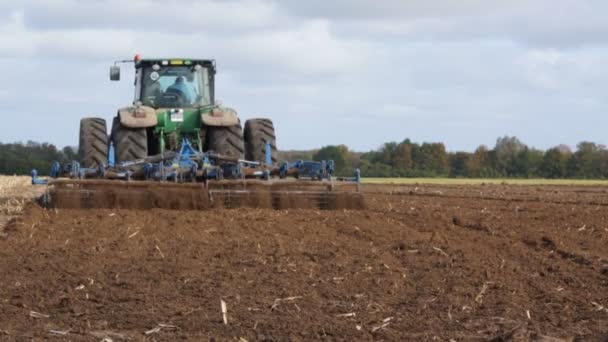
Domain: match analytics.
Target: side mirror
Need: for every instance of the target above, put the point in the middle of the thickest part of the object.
(114, 73)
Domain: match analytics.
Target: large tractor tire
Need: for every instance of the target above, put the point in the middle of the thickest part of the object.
(226, 141)
(93, 142)
(257, 133)
(129, 143)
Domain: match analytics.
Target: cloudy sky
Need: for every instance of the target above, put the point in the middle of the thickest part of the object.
(327, 72)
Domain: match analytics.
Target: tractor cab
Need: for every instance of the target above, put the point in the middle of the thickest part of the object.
(172, 83)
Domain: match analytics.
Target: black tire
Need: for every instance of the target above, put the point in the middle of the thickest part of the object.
(257, 133)
(129, 143)
(227, 141)
(93, 142)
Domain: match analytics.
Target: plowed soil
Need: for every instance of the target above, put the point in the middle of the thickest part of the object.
(462, 263)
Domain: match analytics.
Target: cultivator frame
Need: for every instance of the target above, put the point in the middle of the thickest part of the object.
(204, 180)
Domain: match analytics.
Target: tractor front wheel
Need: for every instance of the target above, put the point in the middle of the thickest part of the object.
(93, 142)
(129, 143)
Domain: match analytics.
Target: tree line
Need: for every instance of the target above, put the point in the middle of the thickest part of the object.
(20, 159)
(508, 158)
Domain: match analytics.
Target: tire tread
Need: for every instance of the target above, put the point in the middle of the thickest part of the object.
(93, 142)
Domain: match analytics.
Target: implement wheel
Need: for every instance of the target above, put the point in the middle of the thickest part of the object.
(93, 142)
(257, 133)
(227, 141)
(129, 143)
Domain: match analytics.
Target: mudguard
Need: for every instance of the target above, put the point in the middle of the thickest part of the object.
(138, 117)
(220, 116)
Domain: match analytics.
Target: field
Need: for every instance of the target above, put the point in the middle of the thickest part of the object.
(480, 181)
(436, 262)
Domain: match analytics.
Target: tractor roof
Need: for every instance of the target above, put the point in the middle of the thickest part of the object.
(210, 63)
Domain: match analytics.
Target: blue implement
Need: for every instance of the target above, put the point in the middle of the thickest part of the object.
(191, 165)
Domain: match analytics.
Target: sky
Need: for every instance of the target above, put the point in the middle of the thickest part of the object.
(354, 72)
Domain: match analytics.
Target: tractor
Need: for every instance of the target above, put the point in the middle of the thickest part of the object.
(174, 100)
(176, 132)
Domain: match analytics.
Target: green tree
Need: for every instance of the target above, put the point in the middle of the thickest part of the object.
(458, 164)
(337, 153)
(527, 163)
(479, 164)
(506, 154)
(20, 159)
(69, 154)
(402, 157)
(388, 151)
(555, 162)
(586, 162)
(432, 158)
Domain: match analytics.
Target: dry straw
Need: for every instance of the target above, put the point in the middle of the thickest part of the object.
(15, 192)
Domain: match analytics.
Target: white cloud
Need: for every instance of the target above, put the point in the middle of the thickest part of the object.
(558, 23)
(17, 40)
(355, 72)
(308, 48)
(177, 16)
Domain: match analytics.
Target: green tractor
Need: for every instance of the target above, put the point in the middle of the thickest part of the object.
(174, 100)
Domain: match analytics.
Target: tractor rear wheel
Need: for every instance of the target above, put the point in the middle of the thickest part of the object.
(227, 141)
(129, 143)
(93, 142)
(257, 133)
